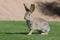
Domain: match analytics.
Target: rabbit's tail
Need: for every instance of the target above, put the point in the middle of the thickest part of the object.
(48, 29)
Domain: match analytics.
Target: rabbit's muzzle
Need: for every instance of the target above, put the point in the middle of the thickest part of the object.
(24, 18)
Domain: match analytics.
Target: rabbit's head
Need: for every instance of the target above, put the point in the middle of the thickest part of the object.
(29, 11)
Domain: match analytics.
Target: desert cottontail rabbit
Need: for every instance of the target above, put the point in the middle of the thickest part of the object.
(35, 23)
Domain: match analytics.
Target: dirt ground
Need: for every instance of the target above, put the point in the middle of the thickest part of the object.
(14, 10)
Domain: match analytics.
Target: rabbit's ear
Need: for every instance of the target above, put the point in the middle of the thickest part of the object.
(32, 7)
(26, 7)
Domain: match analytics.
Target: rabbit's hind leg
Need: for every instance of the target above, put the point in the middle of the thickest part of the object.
(44, 32)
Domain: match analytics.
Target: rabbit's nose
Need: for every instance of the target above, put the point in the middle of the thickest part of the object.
(24, 18)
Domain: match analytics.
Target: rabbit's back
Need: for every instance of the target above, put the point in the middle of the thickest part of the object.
(40, 24)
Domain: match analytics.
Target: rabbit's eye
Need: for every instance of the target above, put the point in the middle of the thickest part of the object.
(29, 14)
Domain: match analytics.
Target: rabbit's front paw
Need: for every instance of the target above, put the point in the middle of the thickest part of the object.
(28, 34)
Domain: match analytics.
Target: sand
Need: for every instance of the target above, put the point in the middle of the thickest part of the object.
(13, 10)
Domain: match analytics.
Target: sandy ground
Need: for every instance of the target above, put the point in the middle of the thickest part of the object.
(14, 10)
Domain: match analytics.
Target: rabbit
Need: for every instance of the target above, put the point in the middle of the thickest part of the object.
(35, 23)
